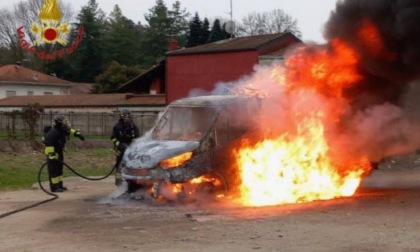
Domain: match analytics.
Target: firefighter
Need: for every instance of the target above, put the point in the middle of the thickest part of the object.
(55, 140)
(123, 134)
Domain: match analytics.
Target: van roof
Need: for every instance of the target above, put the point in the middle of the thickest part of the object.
(210, 100)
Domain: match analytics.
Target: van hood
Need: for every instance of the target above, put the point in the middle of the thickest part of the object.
(147, 153)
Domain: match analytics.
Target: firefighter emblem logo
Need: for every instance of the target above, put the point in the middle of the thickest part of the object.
(49, 29)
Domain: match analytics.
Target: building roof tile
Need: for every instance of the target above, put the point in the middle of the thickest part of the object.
(21, 75)
(84, 100)
(257, 42)
(81, 88)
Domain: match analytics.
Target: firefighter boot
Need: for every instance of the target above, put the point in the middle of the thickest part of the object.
(60, 185)
(55, 188)
(118, 178)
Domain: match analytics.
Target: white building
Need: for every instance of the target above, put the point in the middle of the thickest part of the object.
(16, 80)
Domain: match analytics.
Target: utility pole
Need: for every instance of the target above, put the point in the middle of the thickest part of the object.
(231, 24)
(231, 11)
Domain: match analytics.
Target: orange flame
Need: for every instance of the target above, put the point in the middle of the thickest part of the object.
(302, 163)
(188, 189)
(177, 188)
(176, 161)
(373, 42)
(206, 178)
(294, 169)
(326, 70)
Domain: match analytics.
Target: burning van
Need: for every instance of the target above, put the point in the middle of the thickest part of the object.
(188, 151)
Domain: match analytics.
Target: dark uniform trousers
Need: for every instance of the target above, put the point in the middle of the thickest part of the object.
(55, 172)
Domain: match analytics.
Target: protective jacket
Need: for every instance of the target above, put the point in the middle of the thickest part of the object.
(55, 142)
(56, 138)
(122, 135)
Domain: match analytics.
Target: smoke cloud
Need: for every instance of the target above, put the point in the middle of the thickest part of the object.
(385, 34)
(391, 58)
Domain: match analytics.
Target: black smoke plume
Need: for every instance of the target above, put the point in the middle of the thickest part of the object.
(387, 71)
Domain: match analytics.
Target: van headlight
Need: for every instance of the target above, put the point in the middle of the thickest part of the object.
(176, 161)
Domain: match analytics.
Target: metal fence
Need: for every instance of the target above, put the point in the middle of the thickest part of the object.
(90, 124)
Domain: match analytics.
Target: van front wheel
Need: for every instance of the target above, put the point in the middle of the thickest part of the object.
(132, 186)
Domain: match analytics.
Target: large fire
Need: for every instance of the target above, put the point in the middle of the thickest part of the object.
(295, 169)
(298, 163)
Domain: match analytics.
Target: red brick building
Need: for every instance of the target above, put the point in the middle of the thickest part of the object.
(203, 66)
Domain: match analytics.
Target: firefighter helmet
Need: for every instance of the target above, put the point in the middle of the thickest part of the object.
(60, 119)
(125, 113)
(62, 122)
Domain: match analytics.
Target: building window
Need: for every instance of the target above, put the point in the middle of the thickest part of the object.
(48, 93)
(10, 93)
(30, 93)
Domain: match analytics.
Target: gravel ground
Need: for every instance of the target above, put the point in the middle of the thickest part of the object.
(383, 216)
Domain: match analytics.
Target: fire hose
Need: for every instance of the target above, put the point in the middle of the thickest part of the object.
(55, 196)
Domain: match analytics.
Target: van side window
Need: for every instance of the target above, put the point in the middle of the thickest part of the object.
(184, 123)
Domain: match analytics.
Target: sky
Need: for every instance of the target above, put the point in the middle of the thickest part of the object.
(311, 15)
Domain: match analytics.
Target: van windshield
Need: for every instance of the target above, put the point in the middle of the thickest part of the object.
(184, 123)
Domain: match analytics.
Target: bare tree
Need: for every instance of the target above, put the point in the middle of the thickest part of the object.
(8, 36)
(252, 24)
(276, 21)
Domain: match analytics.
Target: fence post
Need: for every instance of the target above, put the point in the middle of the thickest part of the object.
(69, 118)
(142, 117)
(41, 123)
(88, 122)
(103, 122)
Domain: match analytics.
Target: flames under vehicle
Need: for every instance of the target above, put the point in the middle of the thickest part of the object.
(189, 148)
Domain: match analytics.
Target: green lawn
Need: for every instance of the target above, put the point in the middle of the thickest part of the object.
(20, 170)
